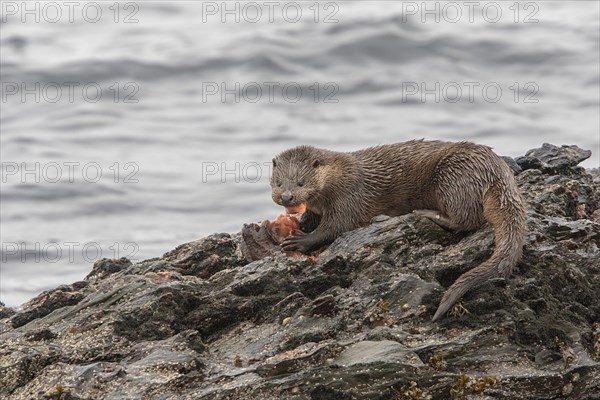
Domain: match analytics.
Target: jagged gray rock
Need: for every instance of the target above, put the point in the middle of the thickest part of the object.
(203, 323)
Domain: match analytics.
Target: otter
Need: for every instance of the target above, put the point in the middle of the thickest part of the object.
(459, 185)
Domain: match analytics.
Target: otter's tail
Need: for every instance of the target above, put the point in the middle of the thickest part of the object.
(503, 207)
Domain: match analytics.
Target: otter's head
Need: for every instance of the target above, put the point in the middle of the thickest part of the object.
(295, 178)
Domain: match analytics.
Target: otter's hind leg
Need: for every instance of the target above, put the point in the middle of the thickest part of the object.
(441, 219)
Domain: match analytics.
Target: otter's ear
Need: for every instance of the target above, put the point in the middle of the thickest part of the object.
(318, 162)
(274, 163)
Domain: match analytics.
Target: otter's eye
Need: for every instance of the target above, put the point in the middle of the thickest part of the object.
(278, 184)
(301, 183)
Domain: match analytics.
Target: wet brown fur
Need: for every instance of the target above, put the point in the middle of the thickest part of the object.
(459, 185)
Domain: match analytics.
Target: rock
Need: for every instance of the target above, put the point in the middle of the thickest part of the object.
(5, 312)
(528, 162)
(352, 323)
(45, 303)
(380, 352)
(106, 266)
(516, 168)
(552, 158)
(257, 243)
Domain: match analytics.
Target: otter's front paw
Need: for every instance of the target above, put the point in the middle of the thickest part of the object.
(309, 221)
(302, 243)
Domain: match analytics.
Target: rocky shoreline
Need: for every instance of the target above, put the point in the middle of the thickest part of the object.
(201, 322)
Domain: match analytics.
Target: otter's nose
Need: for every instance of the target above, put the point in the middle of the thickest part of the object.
(286, 197)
